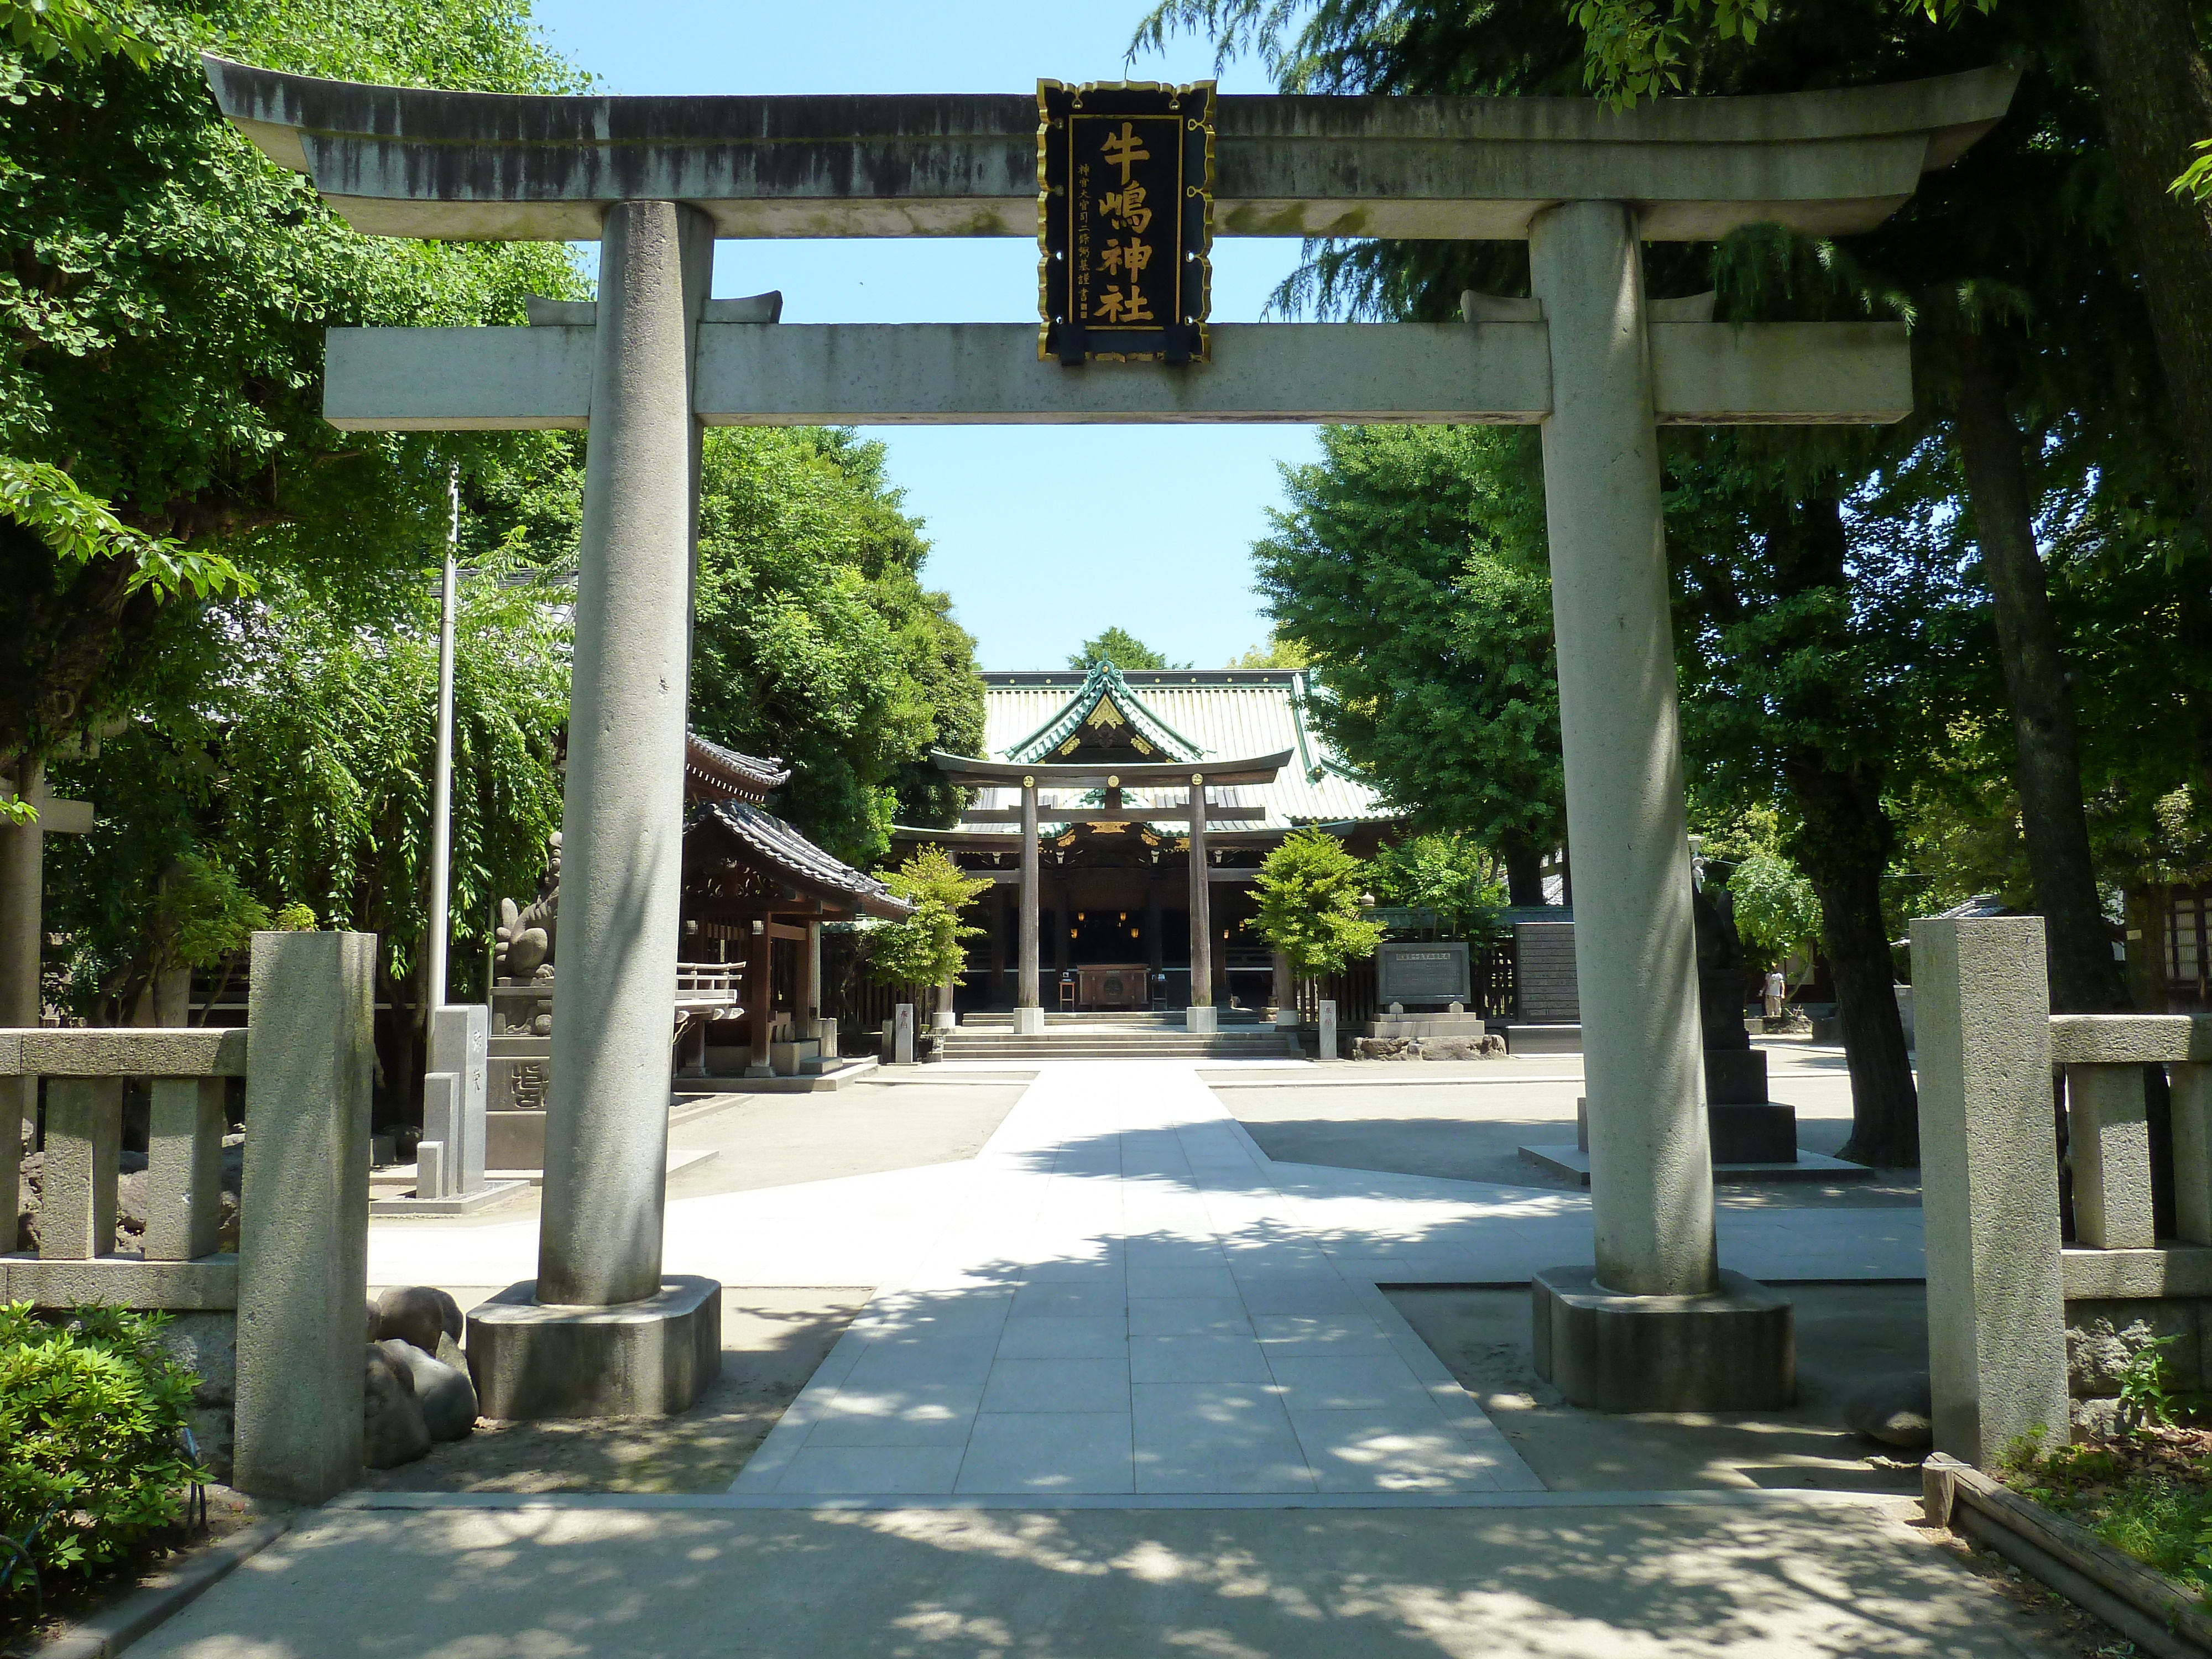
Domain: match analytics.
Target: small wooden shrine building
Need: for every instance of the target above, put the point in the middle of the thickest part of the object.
(1081, 814)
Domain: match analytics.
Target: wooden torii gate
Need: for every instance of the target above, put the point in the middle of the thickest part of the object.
(1587, 357)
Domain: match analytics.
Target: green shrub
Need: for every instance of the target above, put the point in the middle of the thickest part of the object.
(92, 1451)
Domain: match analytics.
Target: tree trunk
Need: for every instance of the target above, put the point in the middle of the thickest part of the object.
(1843, 844)
(1524, 871)
(2156, 93)
(1843, 850)
(2084, 978)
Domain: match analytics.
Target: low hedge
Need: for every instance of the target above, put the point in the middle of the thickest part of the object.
(93, 1458)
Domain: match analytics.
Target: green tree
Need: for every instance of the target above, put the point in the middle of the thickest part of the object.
(930, 947)
(814, 640)
(164, 307)
(1410, 563)
(1280, 651)
(298, 770)
(1121, 648)
(1307, 895)
(1448, 873)
(1777, 913)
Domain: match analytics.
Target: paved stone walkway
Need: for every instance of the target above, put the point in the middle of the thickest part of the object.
(1130, 1304)
(1122, 1297)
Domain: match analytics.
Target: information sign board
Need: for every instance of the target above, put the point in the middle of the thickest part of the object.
(1435, 972)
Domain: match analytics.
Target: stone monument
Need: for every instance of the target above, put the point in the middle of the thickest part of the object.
(1746, 1127)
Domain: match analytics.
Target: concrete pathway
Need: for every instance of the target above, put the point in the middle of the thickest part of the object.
(1130, 1298)
(1529, 1579)
(1128, 1304)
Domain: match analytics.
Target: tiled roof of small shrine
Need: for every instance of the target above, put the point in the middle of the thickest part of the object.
(712, 772)
(774, 847)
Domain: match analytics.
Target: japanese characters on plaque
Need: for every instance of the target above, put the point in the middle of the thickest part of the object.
(1125, 221)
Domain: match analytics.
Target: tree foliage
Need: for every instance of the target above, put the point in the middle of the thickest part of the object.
(164, 307)
(1123, 649)
(1777, 914)
(929, 947)
(304, 778)
(1307, 895)
(814, 640)
(1450, 874)
(1410, 564)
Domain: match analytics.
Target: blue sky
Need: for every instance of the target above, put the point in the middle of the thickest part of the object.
(1183, 582)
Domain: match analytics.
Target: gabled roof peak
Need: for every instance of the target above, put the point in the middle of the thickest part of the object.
(1105, 684)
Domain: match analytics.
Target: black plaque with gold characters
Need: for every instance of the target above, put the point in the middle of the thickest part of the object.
(1125, 221)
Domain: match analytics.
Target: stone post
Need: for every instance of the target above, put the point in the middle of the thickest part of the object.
(460, 1042)
(84, 1137)
(1326, 1019)
(303, 1214)
(1201, 1017)
(1651, 1180)
(902, 1034)
(1988, 1166)
(1029, 1011)
(810, 980)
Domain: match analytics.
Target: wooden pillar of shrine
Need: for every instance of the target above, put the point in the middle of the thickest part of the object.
(810, 980)
(1153, 957)
(1063, 918)
(1201, 908)
(760, 998)
(997, 923)
(1025, 968)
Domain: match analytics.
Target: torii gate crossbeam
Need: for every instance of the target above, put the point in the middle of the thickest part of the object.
(658, 179)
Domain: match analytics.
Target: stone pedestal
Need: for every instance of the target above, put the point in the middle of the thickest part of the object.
(1203, 1020)
(1744, 1126)
(1765, 1131)
(1029, 1022)
(648, 1358)
(1732, 1349)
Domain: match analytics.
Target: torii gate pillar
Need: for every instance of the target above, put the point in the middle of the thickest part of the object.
(549, 1349)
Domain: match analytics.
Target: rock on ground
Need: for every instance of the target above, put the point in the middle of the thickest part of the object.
(443, 1392)
(1486, 1047)
(393, 1429)
(1897, 1410)
(419, 1314)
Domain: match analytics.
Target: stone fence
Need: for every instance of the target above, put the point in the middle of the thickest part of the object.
(288, 1301)
(2019, 1323)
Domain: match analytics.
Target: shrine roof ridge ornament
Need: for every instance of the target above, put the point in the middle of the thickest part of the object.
(475, 166)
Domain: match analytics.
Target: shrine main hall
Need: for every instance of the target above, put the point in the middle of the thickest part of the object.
(1081, 813)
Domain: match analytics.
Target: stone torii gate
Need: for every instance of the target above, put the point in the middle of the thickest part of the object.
(1655, 1323)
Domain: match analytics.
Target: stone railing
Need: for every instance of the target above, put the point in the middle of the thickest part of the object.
(2002, 1289)
(84, 1072)
(299, 1277)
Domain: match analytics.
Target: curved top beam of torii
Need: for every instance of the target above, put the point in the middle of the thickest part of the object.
(480, 166)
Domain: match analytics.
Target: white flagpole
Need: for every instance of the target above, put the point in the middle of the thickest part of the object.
(442, 799)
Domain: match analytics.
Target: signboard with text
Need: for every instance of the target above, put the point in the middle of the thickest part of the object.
(1436, 973)
(1125, 221)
